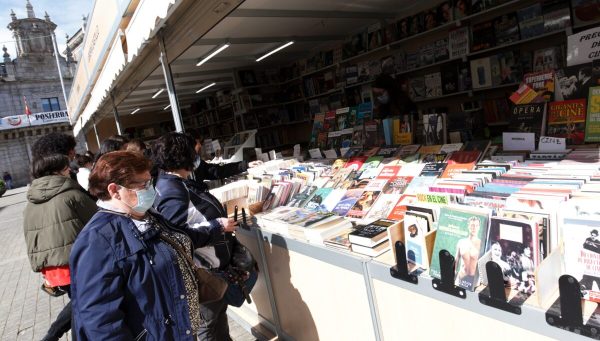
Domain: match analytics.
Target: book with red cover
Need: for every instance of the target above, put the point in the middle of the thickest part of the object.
(388, 172)
(456, 168)
(356, 162)
(464, 156)
(399, 209)
(566, 119)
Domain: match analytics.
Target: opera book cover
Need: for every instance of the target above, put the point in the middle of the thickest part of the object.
(528, 118)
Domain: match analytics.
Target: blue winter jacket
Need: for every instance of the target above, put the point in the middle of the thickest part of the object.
(125, 284)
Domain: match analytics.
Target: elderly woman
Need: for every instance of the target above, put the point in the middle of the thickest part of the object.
(131, 276)
(185, 201)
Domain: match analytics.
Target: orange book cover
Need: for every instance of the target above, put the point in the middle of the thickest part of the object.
(457, 168)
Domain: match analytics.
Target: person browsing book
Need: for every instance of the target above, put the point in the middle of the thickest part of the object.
(391, 99)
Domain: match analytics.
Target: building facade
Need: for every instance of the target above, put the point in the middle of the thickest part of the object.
(31, 79)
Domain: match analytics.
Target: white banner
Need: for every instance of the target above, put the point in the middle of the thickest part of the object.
(37, 119)
(13, 122)
(49, 117)
(583, 47)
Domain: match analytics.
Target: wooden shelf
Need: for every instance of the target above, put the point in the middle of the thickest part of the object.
(518, 42)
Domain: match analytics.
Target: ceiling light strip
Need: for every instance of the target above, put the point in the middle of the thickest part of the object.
(136, 110)
(276, 50)
(214, 53)
(158, 93)
(206, 87)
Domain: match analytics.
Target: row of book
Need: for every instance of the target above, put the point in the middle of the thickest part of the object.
(505, 212)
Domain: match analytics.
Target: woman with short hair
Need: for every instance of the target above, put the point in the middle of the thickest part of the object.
(132, 276)
(56, 212)
(184, 201)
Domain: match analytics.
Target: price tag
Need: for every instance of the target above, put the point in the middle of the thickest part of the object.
(518, 141)
(552, 144)
(330, 154)
(315, 153)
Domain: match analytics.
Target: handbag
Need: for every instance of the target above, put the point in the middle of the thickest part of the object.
(211, 288)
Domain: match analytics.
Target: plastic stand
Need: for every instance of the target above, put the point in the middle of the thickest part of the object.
(566, 313)
(400, 270)
(445, 284)
(494, 295)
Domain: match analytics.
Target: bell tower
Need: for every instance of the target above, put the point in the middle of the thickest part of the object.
(32, 35)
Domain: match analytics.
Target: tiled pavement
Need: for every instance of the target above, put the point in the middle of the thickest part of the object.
(25, 311)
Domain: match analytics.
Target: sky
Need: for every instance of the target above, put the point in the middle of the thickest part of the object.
(66, 14)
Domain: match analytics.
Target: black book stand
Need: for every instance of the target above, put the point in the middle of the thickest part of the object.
(446, 282)
(400, 270)
(494, 295)
(566, 313)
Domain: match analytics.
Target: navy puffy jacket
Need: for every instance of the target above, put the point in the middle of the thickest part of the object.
(126, 284)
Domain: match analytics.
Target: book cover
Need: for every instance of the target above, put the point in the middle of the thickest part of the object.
(457, 168)
(397, 184)
(403, 28)
(509, 67)
(315, 202)
(542, 222)
(331, 200)
(483, 36)
(441, 51)
(585, 12)
(430, 19)
(301, 198)
(582, 254)
(347, 201)
(427, 54)
(462, 8)
(388, 172)
(506, 29)
(374, 36)
(340, 240)
(592, 124)
(363, 204)
(513, 246)
(382, 206)
(463, 233)
(547, 59)
(444, 12)
(542, 83)
(415, 228)
(574, 81)
(464, 76)
(449, 78)
(374, 251)
(371, 234)
(566, 119)
(397, 213)
(434, 128)
(416, 88)
(433, 85)
(528, 118)
(433, 169)
(417, 23)
(355, 163)
(531, 22)
(481, 71)
(464, 157)
(557, 15)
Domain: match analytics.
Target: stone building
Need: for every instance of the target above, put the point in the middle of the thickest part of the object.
(32, 77)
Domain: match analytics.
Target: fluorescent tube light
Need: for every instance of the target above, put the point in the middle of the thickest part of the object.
(214, 53)
(158, 93)
(167, 107)
(136, 110)
(206, 87)
(276, 50)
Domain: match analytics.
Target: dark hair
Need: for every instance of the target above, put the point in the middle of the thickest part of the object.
(48, 165)
(112, 144)
(196, 134)
(116, 167)
(594, 232)
(174, 151)
(399, 99)
(82, 160)
(135, 145)
(53, 143)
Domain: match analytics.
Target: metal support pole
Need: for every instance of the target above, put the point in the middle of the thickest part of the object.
(116, 113)
(62, 83)
(170, 85)
(96, 133)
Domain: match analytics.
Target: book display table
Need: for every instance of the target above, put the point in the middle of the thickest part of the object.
(310, 292)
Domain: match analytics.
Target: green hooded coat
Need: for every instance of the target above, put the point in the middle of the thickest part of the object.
(57, 210)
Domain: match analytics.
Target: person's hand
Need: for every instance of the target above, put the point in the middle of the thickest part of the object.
(253, 164)
(228, 224)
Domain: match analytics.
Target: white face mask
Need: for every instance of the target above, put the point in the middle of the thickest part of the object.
(145, 198)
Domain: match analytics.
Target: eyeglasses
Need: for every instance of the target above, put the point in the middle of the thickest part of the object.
(138, 185)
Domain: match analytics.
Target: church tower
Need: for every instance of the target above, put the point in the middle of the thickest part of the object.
(33, 35)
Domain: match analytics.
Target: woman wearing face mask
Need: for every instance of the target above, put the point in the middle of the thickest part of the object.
(56, 211)
(185, 201)
(390, 99)
(130, 276)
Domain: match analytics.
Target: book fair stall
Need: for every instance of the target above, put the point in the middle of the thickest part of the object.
(424, 163)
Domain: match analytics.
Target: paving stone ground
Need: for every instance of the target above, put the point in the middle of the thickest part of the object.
(25, 311)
